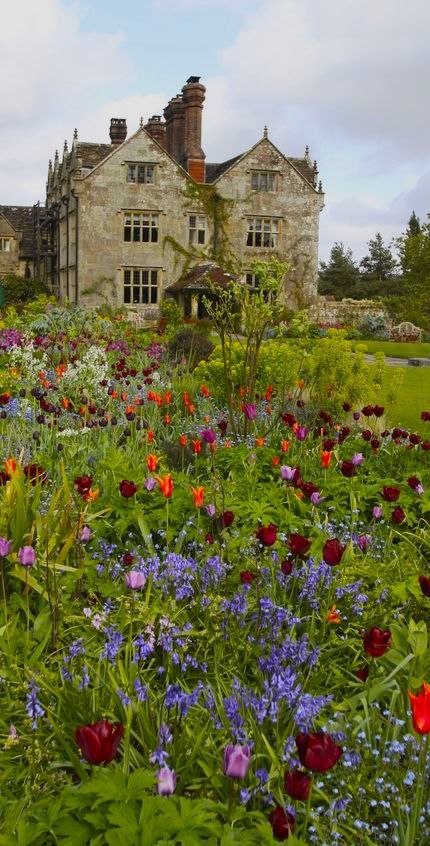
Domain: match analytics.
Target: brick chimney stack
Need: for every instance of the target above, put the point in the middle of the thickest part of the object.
(174, 114)
(157, 129)
(193, 97)
(118, 130)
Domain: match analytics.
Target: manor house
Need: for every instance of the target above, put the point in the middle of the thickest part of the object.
(146, 216)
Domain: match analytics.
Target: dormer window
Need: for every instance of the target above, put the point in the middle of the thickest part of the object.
(141, 174)
(263, 180)
(5, 245)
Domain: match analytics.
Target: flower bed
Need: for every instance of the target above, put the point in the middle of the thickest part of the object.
(206, 638)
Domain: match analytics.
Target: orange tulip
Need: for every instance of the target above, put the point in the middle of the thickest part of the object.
(421, 709)
(268, 409)
(65, 402)
(285, 445)
(183, 440)
(152, 462)
(260, 442)
(198, 494)
(301, 383)
(150, 436)
(325, 458)
(167, 397)
(130, 409)
(333, 615)
(204, 391)
(197, 447)
(275, 461)
(227, 443)
(123, 396)
(167, 419)
(213, 446)
(10, 466)
(191, 408)
(91, 495)
(186, 398)
(166, 485)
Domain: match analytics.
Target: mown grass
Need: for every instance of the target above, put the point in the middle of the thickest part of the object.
(412, 398)
(397, 349)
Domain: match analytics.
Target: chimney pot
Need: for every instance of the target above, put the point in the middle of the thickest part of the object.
(118, 130)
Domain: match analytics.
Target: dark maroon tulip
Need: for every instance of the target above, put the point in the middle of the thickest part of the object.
(328, 444)
(317, 751)
(425, 445)
(415, 439)
(99, 741)
(347, 468)
(267, 534)
(366, 435)
(368, 410)
(226, 519)
(390, 494)
(209, 538)
(222, 426)
(425, 415)
(4, 477)
(127, 488)
(398, 515)
(374, 443)
(282, 822)
(396, 433)
(425, 584)
(289, 419)
(35, 473)
(344, 432)
(299, 545)
(413, 482)
(376, 642)
(347, 406)
(333, 551)
(127, 559)
(378, 410)
(82, 484)
(287, 567)
(246, 577)
(362, 674)
(297, 784)
(308, 488)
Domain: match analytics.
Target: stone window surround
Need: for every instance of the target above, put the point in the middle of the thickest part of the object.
(145, 230)
(142, 170)
(5, 245)
(262, 233)
(265, 181)
(197, 228)
(141, 285)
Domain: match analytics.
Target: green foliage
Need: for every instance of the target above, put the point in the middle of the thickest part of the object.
(21, 290)
(171, 311)
(414, 251)
(189, 348)
(339, 276)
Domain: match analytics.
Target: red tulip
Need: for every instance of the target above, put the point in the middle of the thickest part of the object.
(378, 410)
(425, 584)
(362, 674)
(333, 551)
(127, 489)
(297, 784)
(287, 567)
(226, 519)
(317, 751)
(267, 534)
(390, 494)
(398, 515)
(99, 741)
(368, 410)
(376, 642)
(299, 545)
(246, 577)
(282, 822)
(128, 559)
(421, 709)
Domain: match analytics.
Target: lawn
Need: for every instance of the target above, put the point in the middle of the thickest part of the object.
(413, 397)
(399, 350)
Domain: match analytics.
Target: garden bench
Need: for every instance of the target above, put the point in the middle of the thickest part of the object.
(406, 331)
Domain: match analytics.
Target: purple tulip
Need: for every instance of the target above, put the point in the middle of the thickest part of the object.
(85, 534)
(5, 547)
(208, 436)
(250, 410)
(135, 580)
(356, 415)
(236, 761)
(316, 498)
(210, 510)
(301, 433)
(288, 473)
(364, 541)
(377, 512)
(357, 459)
(166, 781)
(150, 483)
(27, 556)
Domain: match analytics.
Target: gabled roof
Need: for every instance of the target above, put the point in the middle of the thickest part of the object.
(201, 276)
(302, 166)
(22, 220)
(92, 154)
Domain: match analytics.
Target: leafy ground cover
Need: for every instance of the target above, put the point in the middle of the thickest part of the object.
(214, 620)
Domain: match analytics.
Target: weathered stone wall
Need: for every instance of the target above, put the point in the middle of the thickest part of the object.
(9, 260)
(296, 205)
(346, 312)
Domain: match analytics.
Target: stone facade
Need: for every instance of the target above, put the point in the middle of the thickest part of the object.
(128, 218)
(345, 312)
(17, 240)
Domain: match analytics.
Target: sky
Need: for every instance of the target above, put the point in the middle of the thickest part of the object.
(349, 78)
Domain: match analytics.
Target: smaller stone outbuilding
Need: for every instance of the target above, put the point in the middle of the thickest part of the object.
(17, 240)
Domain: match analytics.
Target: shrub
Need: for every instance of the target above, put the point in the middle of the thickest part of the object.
(189, 347)
(21, 290)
